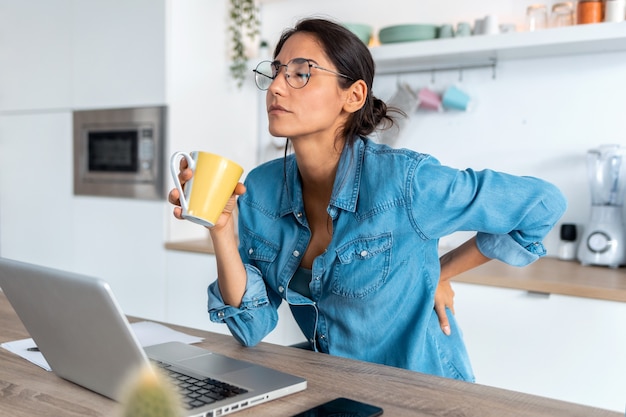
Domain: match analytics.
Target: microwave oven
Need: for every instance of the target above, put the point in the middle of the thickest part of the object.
(119, 152)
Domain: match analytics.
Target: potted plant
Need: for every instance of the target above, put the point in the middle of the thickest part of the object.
(244, 23)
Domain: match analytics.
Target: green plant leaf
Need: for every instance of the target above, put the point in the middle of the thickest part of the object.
(244, 21)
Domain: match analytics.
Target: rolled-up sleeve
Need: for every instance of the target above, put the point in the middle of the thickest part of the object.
(257, 315)
(511, 214)
(505, 249)
(523, 245)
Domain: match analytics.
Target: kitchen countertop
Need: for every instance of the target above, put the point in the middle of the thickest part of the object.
(547, 275)
(195, 246)
(553, 276)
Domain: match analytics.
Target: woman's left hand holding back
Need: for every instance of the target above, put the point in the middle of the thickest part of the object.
(453, 263)
(444, 298)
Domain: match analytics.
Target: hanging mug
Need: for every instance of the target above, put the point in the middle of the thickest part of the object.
(456, 99)
(428, 99)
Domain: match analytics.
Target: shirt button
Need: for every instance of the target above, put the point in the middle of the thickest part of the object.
(220, 314)
(250, 251)
(364, 253)
(281, 289)
(299, 214)
(316, 278)
(296, 253)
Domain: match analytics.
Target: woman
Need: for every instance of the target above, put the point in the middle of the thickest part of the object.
(346, 230)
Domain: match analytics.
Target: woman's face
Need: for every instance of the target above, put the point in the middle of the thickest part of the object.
(314, 111)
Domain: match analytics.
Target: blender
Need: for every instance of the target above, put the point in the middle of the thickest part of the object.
(604, 239)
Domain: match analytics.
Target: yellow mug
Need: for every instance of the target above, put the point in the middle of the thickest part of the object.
(206, 194)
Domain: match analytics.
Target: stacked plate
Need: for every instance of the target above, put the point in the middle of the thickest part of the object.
(407, 33)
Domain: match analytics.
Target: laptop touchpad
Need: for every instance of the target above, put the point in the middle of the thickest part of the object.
(214, 364)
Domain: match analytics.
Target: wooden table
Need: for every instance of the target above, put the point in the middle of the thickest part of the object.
(27, 390)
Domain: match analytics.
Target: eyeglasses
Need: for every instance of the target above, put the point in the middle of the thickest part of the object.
(297, 72)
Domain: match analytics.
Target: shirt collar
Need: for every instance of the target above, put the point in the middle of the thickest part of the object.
(348, 177)
(347, 181)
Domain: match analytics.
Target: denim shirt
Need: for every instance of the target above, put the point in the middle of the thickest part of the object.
(372, 290)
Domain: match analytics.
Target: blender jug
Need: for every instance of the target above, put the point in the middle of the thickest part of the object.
(604, 239)
(606, 175)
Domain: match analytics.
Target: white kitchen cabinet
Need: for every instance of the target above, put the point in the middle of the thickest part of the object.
(189, 275)
(118, 53)
(42, 222)
(65, 54)
(120, 240)
(35, 51)
(36, 188)
(555, 346)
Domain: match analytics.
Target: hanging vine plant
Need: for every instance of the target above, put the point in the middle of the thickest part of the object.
(244, 22)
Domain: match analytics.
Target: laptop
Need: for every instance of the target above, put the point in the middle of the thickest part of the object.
(85, 337)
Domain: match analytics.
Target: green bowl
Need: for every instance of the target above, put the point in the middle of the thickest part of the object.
(362, 31)
(407, 33)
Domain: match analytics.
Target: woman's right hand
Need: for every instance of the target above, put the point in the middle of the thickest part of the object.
(228, 210)
(185, 175)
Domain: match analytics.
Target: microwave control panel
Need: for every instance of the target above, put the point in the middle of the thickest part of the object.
(146, 149)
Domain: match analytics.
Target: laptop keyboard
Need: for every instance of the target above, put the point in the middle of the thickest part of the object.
(198, 392)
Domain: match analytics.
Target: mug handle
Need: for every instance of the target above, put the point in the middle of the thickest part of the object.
(174, 168)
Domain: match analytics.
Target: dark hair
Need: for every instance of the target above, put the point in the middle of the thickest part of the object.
(352, 58)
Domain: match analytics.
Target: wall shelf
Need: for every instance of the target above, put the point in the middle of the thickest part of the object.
(487, 50)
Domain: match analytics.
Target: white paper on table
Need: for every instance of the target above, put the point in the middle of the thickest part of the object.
(148, 333)
(20, 347)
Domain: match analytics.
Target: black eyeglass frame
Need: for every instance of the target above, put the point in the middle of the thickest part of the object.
(276, 65)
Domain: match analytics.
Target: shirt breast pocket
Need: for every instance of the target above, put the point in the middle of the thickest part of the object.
(259, 251)
(362, 266)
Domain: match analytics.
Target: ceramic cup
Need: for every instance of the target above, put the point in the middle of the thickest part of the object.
(479, 27)
(614, 10)
(446, 31)
(463, 29)
(456, 99)
(491, 26)
(428, 99)
(206, 194)
(507, 28)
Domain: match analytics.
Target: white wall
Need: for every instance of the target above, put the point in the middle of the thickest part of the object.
(207, 110)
